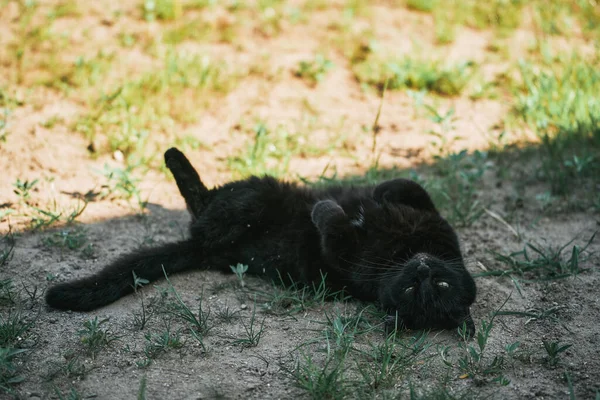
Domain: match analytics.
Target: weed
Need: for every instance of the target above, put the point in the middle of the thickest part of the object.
(502, 15)
(269, 154)
(314, 71)
(535, 314)
(13, 326)
(8, 370)
(422, 5)
(67, 8)
(122, 184)
(142, 389)
(414, 74)
(287, 297)
(456, 190)
(7, 294)
(553, 349)
(544, 264)
(94, 336)
(227, 314)
(72, 394)
(240, 270)
(342, 330)
(158, 343)
(72, 367)
(321, 382)
(559, 102)
(572, 396)
(23, 189)
(474, 363)
(389, 360)
(71, 239)
(253, 331)
(154, 102)
(8, 246)
(140, 320)
(198, 323)
(161, 9)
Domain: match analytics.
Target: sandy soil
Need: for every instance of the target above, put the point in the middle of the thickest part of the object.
(59, 158)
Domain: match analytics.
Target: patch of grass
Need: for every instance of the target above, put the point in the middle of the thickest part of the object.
(534, 314)
(342, 330)
(71, 394)
(7, 294)
(83, 73)
(6, 251)
(474, 361)
(501, 15)
(253, 330)
(226, 314)
(34, 53)
(71, 238)
(272, 149)
(72, 367)
(195, 30)
(327, 381)
(161, 9)
(559, 102)
(198, 323)
(240, 271)
(386, 362)
(171, 93)
(422, 5)
(287, 297)
(417, 74)
(314, 71)
(65, 8)
(158, 343)
(8, 371)
(94, 336)
(23, 189)
(536, 263)
(48, 214)
(456, 185)
(553, 350)
(142, 389)
(13, 326)
(121, 183)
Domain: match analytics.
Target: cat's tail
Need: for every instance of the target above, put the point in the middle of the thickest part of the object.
(117, 279)
(188, 181)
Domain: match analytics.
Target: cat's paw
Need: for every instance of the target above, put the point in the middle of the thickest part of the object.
(324, 211)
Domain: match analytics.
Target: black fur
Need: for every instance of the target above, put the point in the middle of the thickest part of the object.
(384, 243)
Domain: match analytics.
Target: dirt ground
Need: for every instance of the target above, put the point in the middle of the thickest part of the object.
(57, 364)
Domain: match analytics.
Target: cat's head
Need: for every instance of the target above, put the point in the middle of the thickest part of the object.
(427, 292)
(395, 245)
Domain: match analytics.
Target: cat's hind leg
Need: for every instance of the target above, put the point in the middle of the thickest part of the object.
(188, 181)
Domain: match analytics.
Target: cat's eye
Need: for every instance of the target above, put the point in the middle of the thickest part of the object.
(443, 285)
(409, 290)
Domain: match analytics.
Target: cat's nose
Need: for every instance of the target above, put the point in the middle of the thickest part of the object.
(423, 271)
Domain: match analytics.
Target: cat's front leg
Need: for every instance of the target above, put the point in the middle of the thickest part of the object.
(337, 233)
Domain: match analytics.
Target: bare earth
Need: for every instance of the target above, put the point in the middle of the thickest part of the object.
(59, 157)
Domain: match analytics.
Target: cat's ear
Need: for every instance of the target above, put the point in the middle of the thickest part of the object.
(403, 191)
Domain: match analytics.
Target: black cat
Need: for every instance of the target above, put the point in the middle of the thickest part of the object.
(384, 243)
